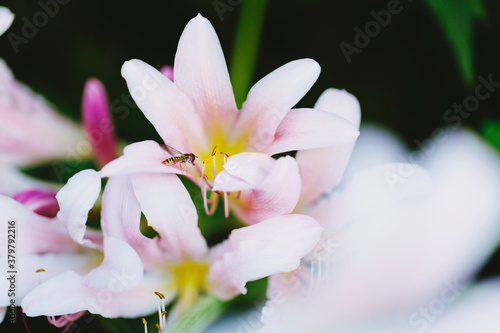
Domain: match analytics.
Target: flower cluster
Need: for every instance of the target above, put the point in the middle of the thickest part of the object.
(303, 216)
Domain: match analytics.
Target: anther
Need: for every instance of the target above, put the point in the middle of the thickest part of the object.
(145, 325)
(40, 270)
(160, 295)
(214, 151)
(224, 153)
(158, 327)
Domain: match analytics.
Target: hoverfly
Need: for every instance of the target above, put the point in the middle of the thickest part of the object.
(178, 157)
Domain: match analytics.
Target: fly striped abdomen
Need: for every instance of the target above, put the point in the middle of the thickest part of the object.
(173, 160)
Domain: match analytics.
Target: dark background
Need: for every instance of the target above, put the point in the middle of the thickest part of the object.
(405, 79)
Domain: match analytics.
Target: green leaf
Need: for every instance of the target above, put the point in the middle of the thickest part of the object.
(198, 317)
(246, 46)
(491, 132)
(457, 20)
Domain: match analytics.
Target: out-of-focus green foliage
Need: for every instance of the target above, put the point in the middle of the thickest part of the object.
(457, 20)
(491, 132)
(198, 317)
(246, 46)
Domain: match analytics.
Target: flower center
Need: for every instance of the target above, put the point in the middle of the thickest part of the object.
(190, 280)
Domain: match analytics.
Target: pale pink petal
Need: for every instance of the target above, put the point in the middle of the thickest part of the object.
(3, 311)
(31, 227)
(165, 106)
(121, 269)
(144, 156)
(200, 71)
(464, 212)
(372, 191)
(67, 293)
(168, 71)
(250, 253)
(53, 264)
(76, 199)
(321, 169)
(475, 311)
(6, 18)
(30, 130)
(310, 128)
(270, 187)
(120, 218)
(272, 97)
(42, 202)
(98, 122)
(340, 103)
(244, 171)
(13, 181)
(375, 146)
(170, 211)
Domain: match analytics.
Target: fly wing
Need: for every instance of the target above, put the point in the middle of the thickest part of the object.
(171, 150)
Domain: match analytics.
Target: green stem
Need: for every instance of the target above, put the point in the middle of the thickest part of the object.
(198, 317)
(246, 46)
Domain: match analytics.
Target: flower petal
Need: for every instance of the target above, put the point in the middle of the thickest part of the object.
(250, 253)
(310, 128)
(98, 122)
(272, 186)
(120, 218)
(341, 103)
(200, 71)
(321, 169)
(13, 181)
(67, 294)
(32, 227)
(6, 18)
(165, 106)
(476, 311)
(374, 146)
(144, 156)
(53, 264)
(121, 269)
(42, 202)
(467, 173)
(272, 97)
(76, 199)
(31, 130)
(170, 211)
(371, 192)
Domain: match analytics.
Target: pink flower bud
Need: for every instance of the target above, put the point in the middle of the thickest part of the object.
(98, 123)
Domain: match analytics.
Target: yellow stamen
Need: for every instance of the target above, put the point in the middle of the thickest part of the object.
(224, 153)
(214, 151)
(144, 321)
(160, 295)
(40, 270)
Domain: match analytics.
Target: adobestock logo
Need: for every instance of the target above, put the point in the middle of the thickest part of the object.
(372, 29)
(40, 19)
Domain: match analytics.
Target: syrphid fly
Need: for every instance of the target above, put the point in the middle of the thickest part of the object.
(178, 157)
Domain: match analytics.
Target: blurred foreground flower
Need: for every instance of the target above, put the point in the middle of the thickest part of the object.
(398, 251)
(196, 114)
